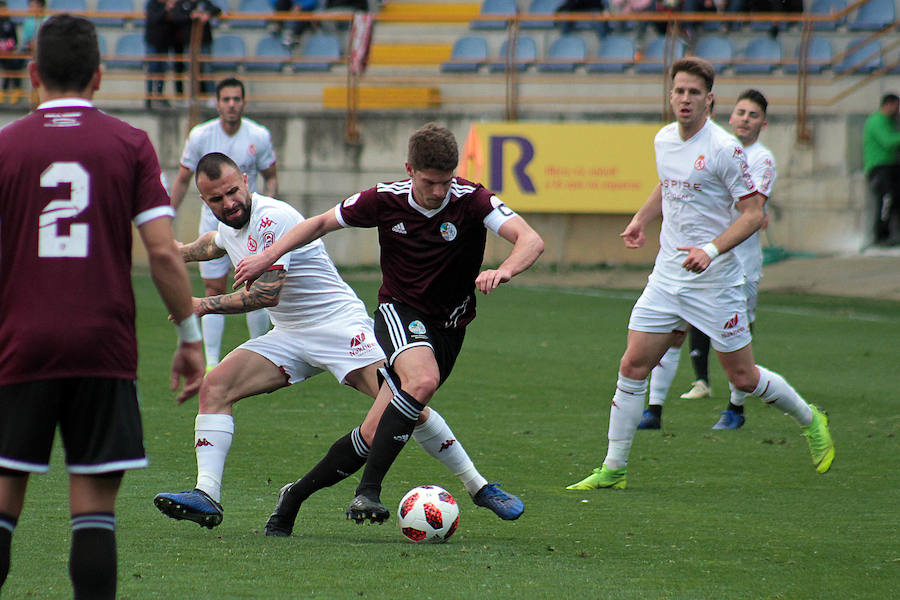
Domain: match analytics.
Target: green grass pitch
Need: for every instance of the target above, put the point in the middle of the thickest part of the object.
(707, 514)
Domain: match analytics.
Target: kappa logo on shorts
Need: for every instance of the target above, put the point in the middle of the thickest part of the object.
(203, 442)
(731, 323)
(417, 328)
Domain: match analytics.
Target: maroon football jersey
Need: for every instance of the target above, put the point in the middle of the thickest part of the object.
(72, 181)
(429, 259)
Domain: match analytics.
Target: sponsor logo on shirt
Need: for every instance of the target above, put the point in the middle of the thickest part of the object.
(399, 228)
(70, 119)
(700, 163)
(265, 222)
(683, 185)
(251, 244)
(448, 231)
(268, 239)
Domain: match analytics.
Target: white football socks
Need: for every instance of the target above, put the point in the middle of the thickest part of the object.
(436, 438)
(257, 322)
(775, 390)
(663, 374)
(212, 440)
(624, 416)
(213, 328)
(737, 396)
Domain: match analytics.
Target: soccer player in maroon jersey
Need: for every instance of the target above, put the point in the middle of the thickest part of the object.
(72, 182)
(432, 230)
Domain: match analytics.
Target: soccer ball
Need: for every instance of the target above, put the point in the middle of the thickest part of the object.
(429, 514)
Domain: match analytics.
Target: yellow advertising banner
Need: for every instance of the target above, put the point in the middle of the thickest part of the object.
(563, 167)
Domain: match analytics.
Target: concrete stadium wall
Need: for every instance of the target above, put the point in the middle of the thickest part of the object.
(818, 204)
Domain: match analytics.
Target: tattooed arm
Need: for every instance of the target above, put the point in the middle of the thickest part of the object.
(264, 293)
(203, 248)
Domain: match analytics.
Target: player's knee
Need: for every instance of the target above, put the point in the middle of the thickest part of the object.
(745, 381)
(633, 369)
(214, 394)
(422, 385)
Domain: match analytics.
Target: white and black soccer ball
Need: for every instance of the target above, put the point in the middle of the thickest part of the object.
(428, 514)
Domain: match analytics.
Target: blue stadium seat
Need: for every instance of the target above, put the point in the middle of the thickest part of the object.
(565, 53)
(821, 55)
(270, 47)
(323, 46)
(765, 53)
(17, 5)
(113, 6)
(526, 54)
(824, 7)
(469, 53)
(102, 46)
(617, 52)
(716, 49)
(494, 7)
(862, 58)
(228, 51)
(654, 54)
(873, 15)
(129, 52)
(70, 6)
(541, 7)
(251, 7)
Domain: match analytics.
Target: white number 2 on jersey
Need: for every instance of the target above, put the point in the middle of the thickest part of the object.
(52, 244)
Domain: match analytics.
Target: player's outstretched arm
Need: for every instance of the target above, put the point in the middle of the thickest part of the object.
(203, 248)
(171, 280)
(633, 235)
(527, 247)
(299, 235)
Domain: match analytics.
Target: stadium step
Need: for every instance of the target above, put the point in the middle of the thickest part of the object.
(384, 97)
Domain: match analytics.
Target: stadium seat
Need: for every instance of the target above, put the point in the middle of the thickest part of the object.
(323, 46)
(617, 53)
(821, 55)
(495, 7)
(862, 58)
(654, 55)
(113, 6)
(469, 53)
(17, 5)
(824, 7)
(228, 52)
(565, 53)
(251, 7)
(763, 54)
(270, 47)
(540, 7)
(526, 54)
(873, 15)
(102, 46)
(130, 52)
(69, 6)
(716, 49)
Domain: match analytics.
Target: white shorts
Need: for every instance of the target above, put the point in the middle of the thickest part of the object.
(336, 346)
(751, 290)
(720, 313)
(217, 267)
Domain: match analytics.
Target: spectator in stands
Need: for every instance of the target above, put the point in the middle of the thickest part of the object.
(635, 6)
(9, 43)
(592, 6)
(774, 6)
(168, 29)
(32, 23)
(205, 11)
(881, 143)
(292, 30)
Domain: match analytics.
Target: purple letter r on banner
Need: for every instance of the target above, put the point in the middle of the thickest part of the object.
(527, 153)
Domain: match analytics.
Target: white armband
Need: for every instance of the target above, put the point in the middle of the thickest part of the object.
(711, 251)
(189, 330)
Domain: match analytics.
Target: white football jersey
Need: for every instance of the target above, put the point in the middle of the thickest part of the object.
(313, 292)
(250, 147)
(762, 168)
(701, 179)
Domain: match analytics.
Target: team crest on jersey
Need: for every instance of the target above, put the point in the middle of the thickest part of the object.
(448, 231)
(417, 328)
(738, 152)
(700, 163)
(268, 239)
(252, 150)
(251, 244)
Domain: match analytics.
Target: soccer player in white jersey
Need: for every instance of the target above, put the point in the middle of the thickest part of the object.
(320, 324)
(432, 229)
(696, 280)
(249, 144)
(747, 120)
